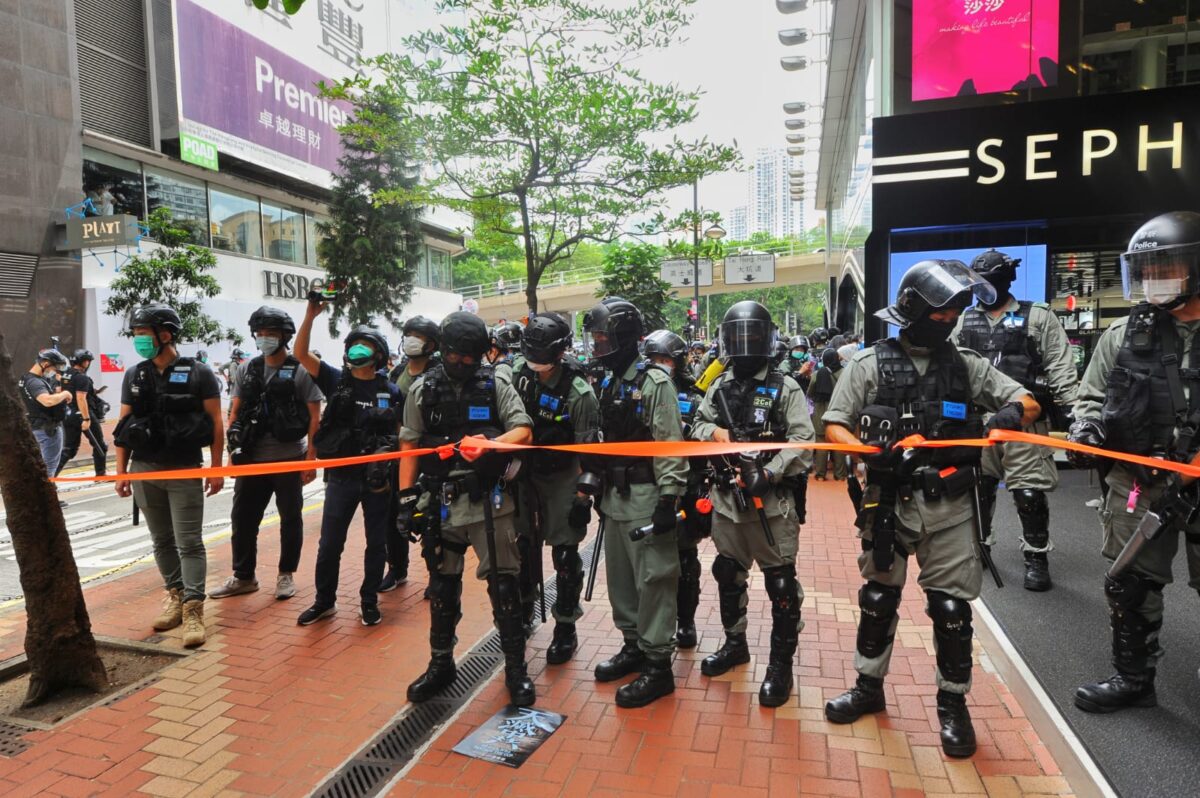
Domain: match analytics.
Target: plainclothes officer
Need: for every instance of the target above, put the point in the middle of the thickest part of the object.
(86, 415)
(1026, 341)
(361, 417)
(456, 399)
(502, 340)
(170, 410)
(920, 383)
(752, 402)
(46, 404)
(637, 403)
(564, 410)
(1140, 395)
(666, 350)
(418, 345)
(273, 417)
(824, 380)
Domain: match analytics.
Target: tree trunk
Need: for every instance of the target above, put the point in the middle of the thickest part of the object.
(532, 274)
(58, 633)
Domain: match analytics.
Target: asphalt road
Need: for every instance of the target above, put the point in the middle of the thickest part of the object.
(1064, 637)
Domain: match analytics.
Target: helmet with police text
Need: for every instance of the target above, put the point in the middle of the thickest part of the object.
(1162, 263)
(933, 285)
(506, 336)
(156, 316)
(615, 325)
(81, 355)
(270, 318)
(664, 343)
(424, 326)
(747, 331)
(54, 358)
(464, 334)
(371, 335)
(545, 338)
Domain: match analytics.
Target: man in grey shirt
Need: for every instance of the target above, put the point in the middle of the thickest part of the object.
(275, 410)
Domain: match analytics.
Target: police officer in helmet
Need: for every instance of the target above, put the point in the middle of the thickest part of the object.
(559, 399)
(463, 499)
(502, 340)
(362, 416)
(637, 403)
(1139, 396)
(667, 351)
(46, 404)
(273, 417)
(755, 497)
(920, 383)
(1027, 342)
(170, 410)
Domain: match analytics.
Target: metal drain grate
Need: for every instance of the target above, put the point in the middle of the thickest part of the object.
(12, 739)
(398, 743)
(356, 780)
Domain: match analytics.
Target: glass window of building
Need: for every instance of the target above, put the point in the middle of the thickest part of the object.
(235, 222)
(113, 184)
(439, 269)
(184, 197)
(313, 235)
(283, 232)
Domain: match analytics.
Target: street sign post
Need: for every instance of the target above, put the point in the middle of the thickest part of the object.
(680, 273)
(749, 269)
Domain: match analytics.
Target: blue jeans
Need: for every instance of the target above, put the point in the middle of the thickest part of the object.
(343, 494)
(50, 441)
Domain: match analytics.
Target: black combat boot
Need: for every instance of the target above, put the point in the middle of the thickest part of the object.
(1119, 691)
(865, 697)
(568, 576)
(731, 593)
(655, 682)
(1034, 512)
(506, 613)
(1037, 572)
(1135, 650)
(784, 592)
(688, 597)
(563, 646)
(444, 612)
(629, 659)
(958, 735)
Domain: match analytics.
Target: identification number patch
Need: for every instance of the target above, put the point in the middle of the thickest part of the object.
(479, 413)
(955, 410)
(178, 376)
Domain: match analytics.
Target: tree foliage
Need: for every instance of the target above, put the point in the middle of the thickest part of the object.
(175, 273)
(538, 125)
(631, 271)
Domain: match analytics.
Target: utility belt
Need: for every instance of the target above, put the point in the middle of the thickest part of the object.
(43, 423)
(447, 489)
(937, 483)
(620, 477)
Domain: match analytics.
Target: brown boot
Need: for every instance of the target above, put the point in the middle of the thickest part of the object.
(193, 623)
(172, 611)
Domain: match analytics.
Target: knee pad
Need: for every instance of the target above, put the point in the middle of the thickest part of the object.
(948, 612)
(1031, 501)
(725, 570)
(779, 581)
(952, 630)
(877, 603)
(1128, 591)
(445, 591)
(566, 559)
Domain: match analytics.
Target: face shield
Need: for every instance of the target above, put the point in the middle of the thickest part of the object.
(1163, 276)
(747, 338)
(937, 284)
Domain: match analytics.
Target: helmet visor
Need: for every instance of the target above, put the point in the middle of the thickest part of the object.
(747, 338)
(1161, 276)
(939, 285)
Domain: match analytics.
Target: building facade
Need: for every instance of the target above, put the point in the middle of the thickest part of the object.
(770, 208)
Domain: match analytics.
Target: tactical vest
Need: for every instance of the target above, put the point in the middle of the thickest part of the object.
(347, 430)
(1007, 347)
(548, 407)
(937, 405)
(450, 415)
(755, 405)
(40, 415)
(1145, 409)
(622, 418)
(166, 419)
(275, 405)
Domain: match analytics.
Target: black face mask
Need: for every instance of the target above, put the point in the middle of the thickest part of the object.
(619, 360)
(460, 372)
(744, 367)
(1002, 289)
(928, 333)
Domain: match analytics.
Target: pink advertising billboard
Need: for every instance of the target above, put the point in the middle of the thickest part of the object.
(969, 47)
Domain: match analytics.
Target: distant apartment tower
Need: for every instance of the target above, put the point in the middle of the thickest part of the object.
(739, 229)
(771, 209)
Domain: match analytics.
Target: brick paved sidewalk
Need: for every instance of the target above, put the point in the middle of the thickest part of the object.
(270, 708)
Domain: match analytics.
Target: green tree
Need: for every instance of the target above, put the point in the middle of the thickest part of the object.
(538, 125)
(370, 251)
(175, 273)
(631, 271)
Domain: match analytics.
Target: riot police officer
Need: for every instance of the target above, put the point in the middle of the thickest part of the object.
(921, 383)
(463, 499)
(86, 415)
(823, 382)
(1026, 341)
(799, 363)
(755, 496)
(273, 417)
(170, 410)
(46, 404)
(667, 351)
(361, 417)
(502, 340)
(637, 403)
(564, 410)
(1139, 395)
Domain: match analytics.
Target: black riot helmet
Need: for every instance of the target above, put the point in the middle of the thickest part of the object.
(372, 335)
(819, 337)
(157, 316)
(54, 358)
(464, 334)
(1162, 264)
(615, 325)
(546, 338)
(665, 343)
(747, 331)
(269, 318)
(506, 336)
(81, 355)
(798, 342)
(424, 326)
(933, 285)
(999, 269)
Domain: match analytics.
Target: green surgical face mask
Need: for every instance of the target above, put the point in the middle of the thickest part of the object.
(145, 345)
(359, 355)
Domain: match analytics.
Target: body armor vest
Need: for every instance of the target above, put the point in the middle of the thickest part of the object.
(165, 419)
(275, 404)
(1007, 347)
(1145, 409)
(755, 407)
(450, 415)
(40, 415)
(937, 405)
(552, 425)
(347, 430)
(622, 418)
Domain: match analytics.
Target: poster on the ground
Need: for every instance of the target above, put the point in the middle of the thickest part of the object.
(510, 736)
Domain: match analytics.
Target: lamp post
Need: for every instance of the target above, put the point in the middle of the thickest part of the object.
(714, 233)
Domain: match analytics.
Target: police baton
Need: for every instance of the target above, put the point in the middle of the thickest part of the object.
(983, 531)
(598, 547)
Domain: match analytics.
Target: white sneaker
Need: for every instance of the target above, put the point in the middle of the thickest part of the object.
(234, 587)
(285, 586)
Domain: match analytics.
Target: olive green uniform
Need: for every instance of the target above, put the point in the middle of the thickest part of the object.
(941, 533)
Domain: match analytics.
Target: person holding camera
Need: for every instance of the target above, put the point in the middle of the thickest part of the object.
(273, 417)
(361, 417)
(170, 410)
(89, 412)
(46, 404)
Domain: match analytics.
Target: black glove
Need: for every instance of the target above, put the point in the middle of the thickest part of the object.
(580, 514)
(406, 507)
(664, 519)
(1177, 504)
(754, 476)
(1008, 417)
(1089, 432)
(884, 460)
